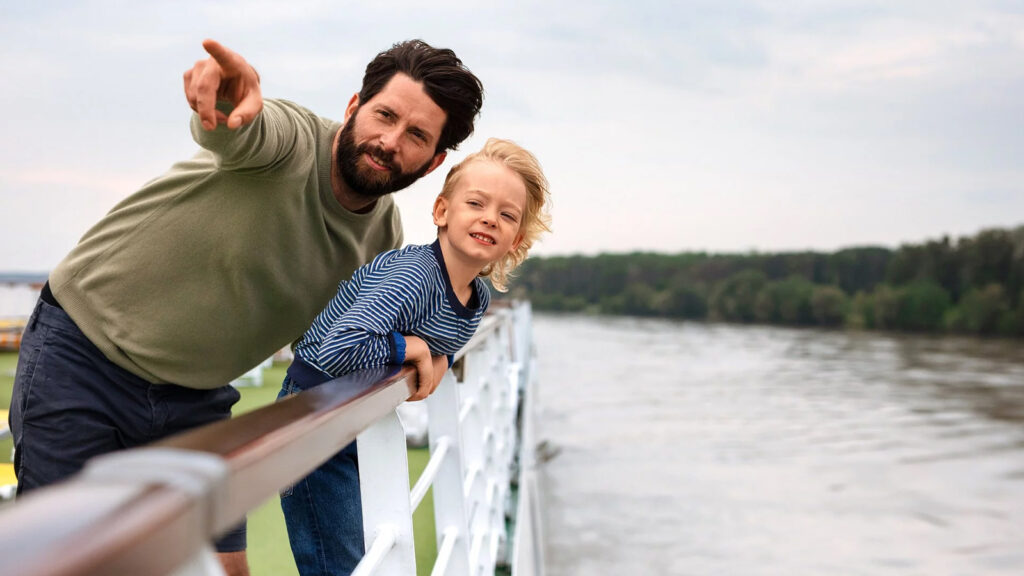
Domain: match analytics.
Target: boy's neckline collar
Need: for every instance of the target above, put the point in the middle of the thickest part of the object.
(463, 311)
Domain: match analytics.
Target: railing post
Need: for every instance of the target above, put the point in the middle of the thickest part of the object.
(384, 486)
(487, 432)
(450, 520)
(527, 555)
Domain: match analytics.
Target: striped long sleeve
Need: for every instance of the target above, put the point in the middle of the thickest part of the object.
(358, 327)
(401, 292)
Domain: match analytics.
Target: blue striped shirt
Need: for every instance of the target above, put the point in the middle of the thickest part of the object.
(400, 292)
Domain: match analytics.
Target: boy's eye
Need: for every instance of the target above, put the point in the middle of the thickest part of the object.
(474, 203)
(509, 216)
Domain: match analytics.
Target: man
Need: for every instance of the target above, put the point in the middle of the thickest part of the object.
(226, 258)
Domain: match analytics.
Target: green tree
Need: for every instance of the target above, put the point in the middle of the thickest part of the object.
(639, 300)
(988, 258)
(829, 305)
(734, 298)
(885, 308)
(980, 311)
(682, 300)
(922, 306)
(861, 312)
(858, 269)
(786, 302)
(1012, 321)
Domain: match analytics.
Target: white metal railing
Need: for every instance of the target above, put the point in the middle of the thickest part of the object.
(154, 510)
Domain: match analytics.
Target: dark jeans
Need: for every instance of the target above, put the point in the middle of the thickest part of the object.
(70, 403)
(324, 513)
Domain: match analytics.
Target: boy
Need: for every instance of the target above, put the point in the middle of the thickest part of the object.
(489, 212)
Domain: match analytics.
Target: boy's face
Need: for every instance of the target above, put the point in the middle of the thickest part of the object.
(481, 220)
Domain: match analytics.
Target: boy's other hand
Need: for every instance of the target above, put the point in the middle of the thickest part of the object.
(440, 367)
(418, 354)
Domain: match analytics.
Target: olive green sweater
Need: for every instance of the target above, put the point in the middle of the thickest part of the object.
(228, 257)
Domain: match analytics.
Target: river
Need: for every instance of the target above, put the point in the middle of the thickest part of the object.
(684, 448)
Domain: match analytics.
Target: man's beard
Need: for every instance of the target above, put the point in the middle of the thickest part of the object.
(363, 180)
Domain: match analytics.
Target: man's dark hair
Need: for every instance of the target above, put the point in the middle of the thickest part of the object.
(445, 79)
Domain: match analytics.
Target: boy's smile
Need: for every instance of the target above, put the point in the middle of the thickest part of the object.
(484, 238)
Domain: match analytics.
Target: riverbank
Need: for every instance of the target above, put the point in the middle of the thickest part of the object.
(974, 285)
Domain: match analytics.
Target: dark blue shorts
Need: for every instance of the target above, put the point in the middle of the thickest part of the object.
(70, 403)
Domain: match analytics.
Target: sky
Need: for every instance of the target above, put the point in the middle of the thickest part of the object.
(715, 125)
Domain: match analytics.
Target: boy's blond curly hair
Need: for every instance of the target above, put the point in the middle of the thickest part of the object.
(536, 219)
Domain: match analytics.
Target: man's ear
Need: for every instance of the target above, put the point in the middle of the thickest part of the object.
(441, 212)
(438, 159)
(353, 103)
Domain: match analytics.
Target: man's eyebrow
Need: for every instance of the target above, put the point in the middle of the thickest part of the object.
(429, 136)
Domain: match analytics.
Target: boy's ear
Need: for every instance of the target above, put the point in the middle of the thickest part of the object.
(518, 241)
(441, 212)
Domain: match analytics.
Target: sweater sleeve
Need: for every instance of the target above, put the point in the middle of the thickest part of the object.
(276, 135)
(367, 333)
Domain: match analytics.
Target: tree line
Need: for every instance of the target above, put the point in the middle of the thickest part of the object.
(973, 285)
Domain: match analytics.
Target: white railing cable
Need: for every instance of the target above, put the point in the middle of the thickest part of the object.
(466, 409)
(471, 478)
(382, 544)
(444, 552)
(477, 548)
(426, 478)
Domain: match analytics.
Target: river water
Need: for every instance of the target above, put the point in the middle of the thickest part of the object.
(688, 448)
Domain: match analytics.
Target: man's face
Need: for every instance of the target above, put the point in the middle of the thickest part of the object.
(388, 142)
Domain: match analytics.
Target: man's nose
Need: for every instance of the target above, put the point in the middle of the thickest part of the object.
(389, 139)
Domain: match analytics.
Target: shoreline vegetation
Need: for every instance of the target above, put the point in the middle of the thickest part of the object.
(973, 285)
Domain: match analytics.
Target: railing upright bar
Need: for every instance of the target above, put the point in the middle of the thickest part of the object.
(384, 486)
(450, 515)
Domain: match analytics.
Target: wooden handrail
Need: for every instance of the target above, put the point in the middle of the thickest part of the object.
(90, 525)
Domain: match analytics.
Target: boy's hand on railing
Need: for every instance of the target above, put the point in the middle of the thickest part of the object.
(418, 354)
(440, 367)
